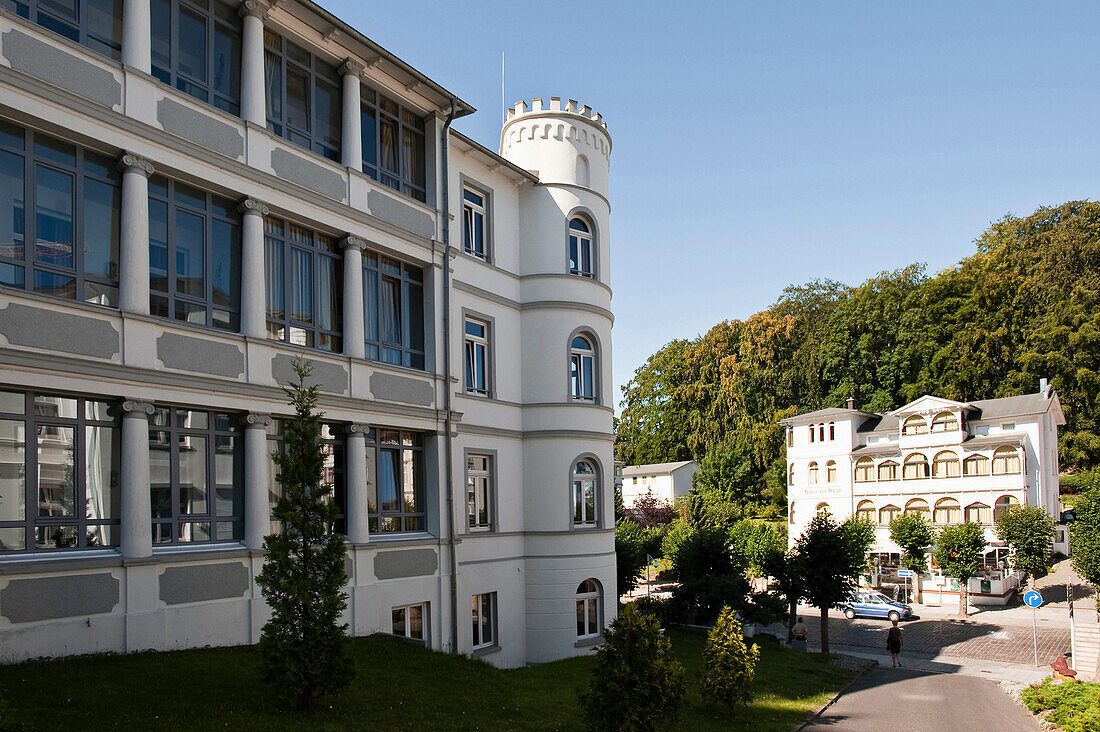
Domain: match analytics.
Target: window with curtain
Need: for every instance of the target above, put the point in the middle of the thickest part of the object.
(1006, 461)
(917, 505)
(915, 425)
(196, 47)
(978, 513)
(830, 472)
(888, 470)
(811, 473)
(395, 481)
(945, 465)
(59, 218)
(580, 248)
(393, 297)
(305, 286)
(915, 467)
(585, 494)
(866, 511)
(479, 492)
(1003, 504)
(393, 144)
(947, 511)
(303, 96)
(976, 465)
(945, 422)
(865, 470)
(96, 24)
(887, 513)
(582, 369)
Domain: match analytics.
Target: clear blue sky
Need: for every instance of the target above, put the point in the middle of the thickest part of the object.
(762, 144)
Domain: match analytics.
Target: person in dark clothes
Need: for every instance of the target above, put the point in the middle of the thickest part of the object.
(893, 644)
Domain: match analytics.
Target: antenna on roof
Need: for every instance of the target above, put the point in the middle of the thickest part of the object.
(503, 98)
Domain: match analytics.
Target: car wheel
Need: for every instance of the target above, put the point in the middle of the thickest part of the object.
(894, 616)
(850, 614)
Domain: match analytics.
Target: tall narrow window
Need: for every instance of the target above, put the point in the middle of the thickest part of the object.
(830, 472)
(811, 473)
(305, 286)
(395, 481)
(333, 473)
(580, 248)
(866, 511)
(59, 218)
(582, 369)
(790, 437)
(473, 223)
(811, 434)
(484, 616)
(393, 297)
(479, 492)
(393, 144)
(585, 494)
(588, 609)
(477, 357)
(832, 431)
(303, 96)
(196, 47)
(194, 255)
(96, 24)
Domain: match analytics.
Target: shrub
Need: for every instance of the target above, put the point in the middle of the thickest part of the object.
(657, 607)
(1074, 705)
(753, 542)
(636, 684)
(629, 555)
(728, 664)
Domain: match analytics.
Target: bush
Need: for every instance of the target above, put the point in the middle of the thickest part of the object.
(629, 555)
(636, 684)
(654, 536)
(729, 665)
(753, 542)
(1074, 705)
(661, 608)
(674, 536)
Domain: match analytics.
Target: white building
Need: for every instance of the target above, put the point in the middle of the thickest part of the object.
(194, 194)
(666, 481)
(951, 461)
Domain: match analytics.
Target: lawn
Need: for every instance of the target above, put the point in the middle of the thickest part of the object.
(398, 686)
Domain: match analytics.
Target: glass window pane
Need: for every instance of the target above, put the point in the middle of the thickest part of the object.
(227, 63)
(158, 246)
(55, 285)
(190, 254)
(103, 460)
(192, 44)
(327, 108)
(54, 217)
(301, 284)
(101, 229)
(369, 135)
(328, 294)
(273, 262)
(398, 621)
(387, 143)
(273, 71)
(225, 265)
(389, 478)
(56, 471)
(416, 622)
(370, 301)
(192, 475)
(160, 22)
(390, 311)
(297, 99)
(12, 206)
(13, 451)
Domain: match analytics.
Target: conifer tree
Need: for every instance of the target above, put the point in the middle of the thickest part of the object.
(304, 645)
(729, 664)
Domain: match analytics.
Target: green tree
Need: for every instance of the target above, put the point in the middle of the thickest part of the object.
(912, 532)
(786, 569)
(1029, 531)
(636, 683)
(729, 664)
(708, 575)
(831, 556)
(303, 647)
(754, 542)
(629, 555)
(1084, 533)
(959, 551)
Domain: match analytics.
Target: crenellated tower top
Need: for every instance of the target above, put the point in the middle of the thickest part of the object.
(563, 142)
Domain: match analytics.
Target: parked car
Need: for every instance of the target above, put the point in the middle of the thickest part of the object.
(870, 604)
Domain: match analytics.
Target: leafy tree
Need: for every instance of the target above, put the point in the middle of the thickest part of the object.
(831, 556)
(1029, 531)
(708, 575)
(959, 551)
(729, 665)
(754, 542)
(786, 569)
(636, 683)
(629, 555)
(673, 539)
(1084, 534)
(303, 646)
(912, 532)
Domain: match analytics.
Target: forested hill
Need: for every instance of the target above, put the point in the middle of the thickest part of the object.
(1025, 305)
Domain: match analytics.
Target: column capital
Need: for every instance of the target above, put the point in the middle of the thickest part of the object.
(253, 206)
(137, 408)
(131, 162)
(256, 419)
(353, 242)
(351, 67)
(254, 8)
(358, 429)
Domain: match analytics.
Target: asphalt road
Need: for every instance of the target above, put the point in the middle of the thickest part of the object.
(903, 700)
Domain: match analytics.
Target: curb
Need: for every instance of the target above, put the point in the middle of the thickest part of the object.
(813, 717)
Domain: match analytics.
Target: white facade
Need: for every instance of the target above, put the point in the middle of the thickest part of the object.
(666, 481)
(474, 472)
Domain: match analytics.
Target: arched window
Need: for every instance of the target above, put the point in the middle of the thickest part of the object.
(583, 177)
(811, 433)
(821, 432)
(915, 425)
(945, 422)
(790, 514)
(888, 470)
(823, 509)
(580, 248)
(830, 471)
(585, 494)
(790, 475)
(976, 465)
(582, 369)
(811, 473)
(916, 467)
(588, 609)
(978, 513)
(1006, 461)
(790, 437)
(866, 510)
(865, 470)
(945, 465)
(832, 431)
(887, 513)
(917, 505)
(947, 511)
(1002, 505)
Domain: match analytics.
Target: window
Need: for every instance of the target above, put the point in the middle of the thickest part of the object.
(479, 491)
(196, 47)
(945, 465)
(830, 472)
(59, 218)
(333, 444)
(915, 425)
(96, 24)
(303, 96)
(790, 514)
(588, 609)
(194, 255)
(582, 369)
(947, 511)
(474, 232)
(866, 510)
(1006, 461)
(484, 616)
(916, 467)
(978, 513)
(945, 422)
(811, 434)
(477, 357)
(888, 470)
(1003, 504)
(917, 505)
(585, 494)
(580, 248)
(976, 465)
(790, 437)
(305, 286)
(832, 431)
(59, 472)
(811, 473)
(395, 481)
(410, 621)
(790, 475)
(888, 513)
(823, 509)
(196, 476)
(393, 143)
(393, 296)
(865, 470)
(821, 433)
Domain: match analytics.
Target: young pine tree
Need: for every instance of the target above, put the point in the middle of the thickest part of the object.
(729, 665)
(304, 646)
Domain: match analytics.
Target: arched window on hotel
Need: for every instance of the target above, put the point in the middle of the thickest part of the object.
(947, 511)
(790, 475)
(1006, 461)
(790, 437)
(812, 473)
(865, 470)
(812, 435)
(916, 467)
(888, 470)
(866, 510)
(945, 422)
(978, 513)
(915, 425)
(917, 505)
(821, 432)
(1002, 505)
(823, 509)
(830, 471)
(790, 514)
(945, 465)
(976, 465)
(887, 513)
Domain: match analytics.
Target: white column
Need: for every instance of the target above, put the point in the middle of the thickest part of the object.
(357, 484)
(354, 346)
(257, 504)
(136, 35)
(352, 139)
(253, 91)
(134, 234)
(253, 279)
(137, 511)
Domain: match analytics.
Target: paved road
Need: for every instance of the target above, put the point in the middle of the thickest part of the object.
(900, 700)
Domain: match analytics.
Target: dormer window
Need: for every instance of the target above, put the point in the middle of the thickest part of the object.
(915, 425)
(945, 422)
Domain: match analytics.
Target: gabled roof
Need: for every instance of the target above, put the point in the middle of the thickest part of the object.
(929, 403)
(1019, 406)
(657, 468)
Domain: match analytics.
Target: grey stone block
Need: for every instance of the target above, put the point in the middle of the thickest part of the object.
(308, 173)
(327, 376)
(58, 67)
(401, 214)
(202, 582)
(406, 563)
(401, 389)
(200, 128)
(44, 598)
(201, 356)
(24, 325)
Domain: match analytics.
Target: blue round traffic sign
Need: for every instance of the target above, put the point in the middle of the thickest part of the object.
(1033, 598)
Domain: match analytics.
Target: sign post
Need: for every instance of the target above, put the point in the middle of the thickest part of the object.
(1033, 600)
(907, 574)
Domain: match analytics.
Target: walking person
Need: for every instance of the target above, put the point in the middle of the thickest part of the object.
(893, 644)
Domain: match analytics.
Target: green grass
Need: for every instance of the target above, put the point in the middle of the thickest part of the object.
(1074, 705)
(397, 686)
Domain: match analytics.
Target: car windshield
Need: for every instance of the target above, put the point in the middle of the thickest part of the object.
(879, 598)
